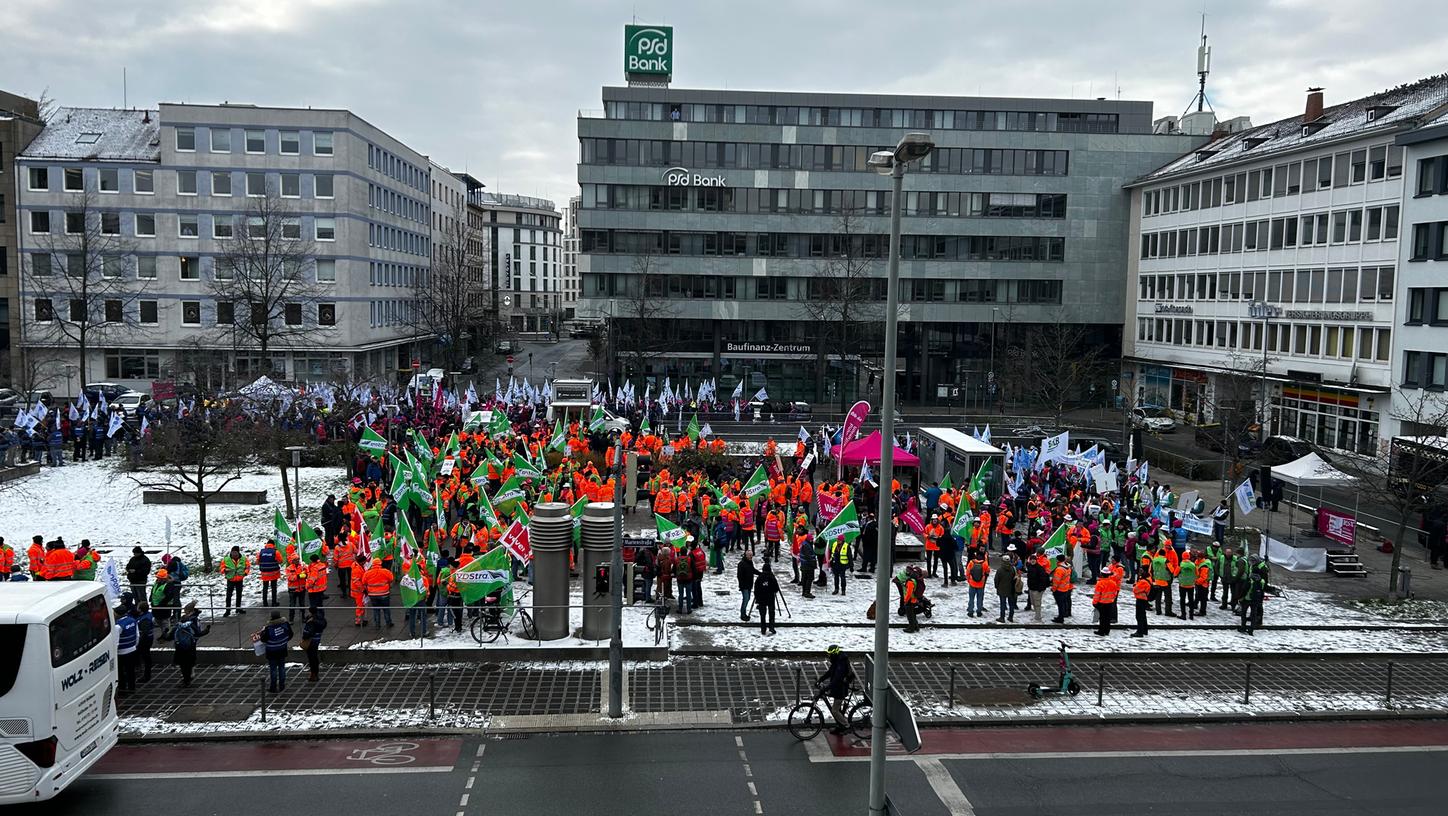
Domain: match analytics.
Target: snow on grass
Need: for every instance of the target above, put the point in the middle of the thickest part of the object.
(1414, 610)
(99, 501)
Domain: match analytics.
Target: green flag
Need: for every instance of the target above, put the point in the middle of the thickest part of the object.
(371, 441)
(434, 555)
(414, 586)
(559, 442)
(524, 469)
(421, 495)
(499, 424)
(758, 483)
(576, 511)
(977, 482)
(486, 513)
(401, 489)
(485, 574)
(406, 535)
(964, 525)
(596, 422)
(419, 444)
(669, 532)
(644, 429)
(509, 494)
(438, 512)
(1056, 545)
(946, 483)
(284, 531)
(693, 429)
(309, 542)
(475, 420)
(453, 446)
(845, 523)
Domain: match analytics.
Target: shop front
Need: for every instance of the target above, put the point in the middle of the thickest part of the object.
(1336, 418)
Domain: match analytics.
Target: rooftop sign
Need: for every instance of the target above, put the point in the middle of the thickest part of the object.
(648, 53)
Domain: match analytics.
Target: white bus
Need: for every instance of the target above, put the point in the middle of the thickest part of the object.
(57, 685)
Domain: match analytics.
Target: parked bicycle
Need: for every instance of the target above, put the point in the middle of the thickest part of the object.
(808, 718)
(493, 621)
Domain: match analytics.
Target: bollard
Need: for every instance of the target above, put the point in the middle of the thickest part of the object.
(950, 699)
(1101, 686)
(431, 696)
(1247, 695)
(1388, 702)
(263, 701)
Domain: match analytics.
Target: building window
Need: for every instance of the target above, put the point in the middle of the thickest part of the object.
(291, 185)
(191, 313)
(41, 264)
(146, 267)
(39, 179)
(40, 223)
(146, 225)
(256, 141)
(221, 184)
(322, 143)
(221, 140)
(190, 267)
(326, 314)
(113, 266)
(142, 364)
(326, 270)
(326, 229)
(149, 313)
(110, 180)
(256, 184)
(292, 228)
(290, 143)
(114, 311)
(186, 182)
(110, 223)
(44, 311)
(322, 185)
(186, 139)
(144, 181)
(293, 314)
(78, 311)
(225, 313)
(255, 227)
(1422, 241)
(222, 227)
(74, 180)
(74, 223)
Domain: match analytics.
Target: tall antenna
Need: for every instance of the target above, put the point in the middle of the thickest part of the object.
(1204, 67)
(125, 97)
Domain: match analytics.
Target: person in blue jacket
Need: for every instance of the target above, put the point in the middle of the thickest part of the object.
(129, 637)
(276, 638)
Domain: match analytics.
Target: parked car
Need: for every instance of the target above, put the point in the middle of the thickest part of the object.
(42, 395)
(107, 390)
(131, 402)
(1279, 450)
(9, 396)
(1114, 452)
(1210, 436)
(504, 347)
(1153, 418)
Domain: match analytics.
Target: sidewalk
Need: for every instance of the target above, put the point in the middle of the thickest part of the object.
(743, 691)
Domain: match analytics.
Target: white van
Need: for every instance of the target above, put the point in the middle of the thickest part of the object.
(57, 685)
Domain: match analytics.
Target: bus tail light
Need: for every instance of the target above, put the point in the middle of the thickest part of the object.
(41, 752)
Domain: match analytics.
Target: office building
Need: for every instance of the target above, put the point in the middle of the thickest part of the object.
(525, 243)
(19, 124)
(1420, 336)
(166, 193)
(740, 235)
(1265, 266)
(570, 259)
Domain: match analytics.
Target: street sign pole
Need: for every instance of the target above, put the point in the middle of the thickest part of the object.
(615, 642)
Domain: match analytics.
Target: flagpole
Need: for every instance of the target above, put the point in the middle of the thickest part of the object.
(615, 643)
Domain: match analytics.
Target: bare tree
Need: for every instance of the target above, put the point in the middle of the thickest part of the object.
(452, 299)
(269, 267)
(845, 300)
(637, 325)
(1058, 363)
(84, 294)
(198, 456)
(1238, 413)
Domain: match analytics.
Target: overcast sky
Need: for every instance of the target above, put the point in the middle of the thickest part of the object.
(494, 87)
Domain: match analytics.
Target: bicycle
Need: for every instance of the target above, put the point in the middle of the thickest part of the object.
(807, 719)
(492, 623)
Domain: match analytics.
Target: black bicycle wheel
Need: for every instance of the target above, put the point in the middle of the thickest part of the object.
(529, 631)
(860, 719)
(806, 721)
(476, 629)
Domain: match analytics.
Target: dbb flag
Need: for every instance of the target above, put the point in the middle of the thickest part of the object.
(482, 576)
(845, 524)
(669, 532)
(413, 584)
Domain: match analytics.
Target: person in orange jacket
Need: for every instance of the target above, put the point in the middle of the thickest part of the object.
(976, 571)
(296, 586)
(7, 559)
(35, 558)
(378, 582)
(344, 556)
(1141, 591)
(59, 562)
(1103, 599)
(1204, 583)
(316, 584)
(358, 591)
(1061, 587)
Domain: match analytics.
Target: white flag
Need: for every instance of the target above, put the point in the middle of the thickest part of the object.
(39, 411)
(145, 425)
(761, 395)
(803, 434)
(1054, 447)
(985, 435)
(74, 414)
(115, 424)
(738, 392)
(1246, 497)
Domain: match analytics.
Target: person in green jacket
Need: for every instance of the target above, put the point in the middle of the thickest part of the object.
(1236, 579)
(1187, 583)
(234, 568)
(86, 561)
(1161, 576)
(1218, 560)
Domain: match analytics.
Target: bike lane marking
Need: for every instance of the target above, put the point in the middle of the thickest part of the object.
(292, 758)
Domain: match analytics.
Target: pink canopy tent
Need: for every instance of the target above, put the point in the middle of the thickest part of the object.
(868, 450)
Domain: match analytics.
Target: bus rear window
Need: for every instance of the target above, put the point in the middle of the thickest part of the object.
(12, 649)
(78, 630)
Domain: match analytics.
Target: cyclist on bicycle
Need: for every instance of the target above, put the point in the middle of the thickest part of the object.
(835, 683)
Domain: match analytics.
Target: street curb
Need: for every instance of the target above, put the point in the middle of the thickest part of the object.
(227, 656)
(1046, 651)
(1076, 720)
(996, 627)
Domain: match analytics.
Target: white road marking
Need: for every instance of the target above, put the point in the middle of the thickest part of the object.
(748, 772)
(752, 791)
(944, 786)
(463, 802)
(278, 772)
(469, 785)
(479, 754)
(739, 742)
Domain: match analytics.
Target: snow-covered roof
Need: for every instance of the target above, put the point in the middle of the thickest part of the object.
(1394, 110)
(99, 134)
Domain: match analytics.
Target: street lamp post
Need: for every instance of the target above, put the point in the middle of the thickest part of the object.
(913, 147)
(990, 381)
(296, 452)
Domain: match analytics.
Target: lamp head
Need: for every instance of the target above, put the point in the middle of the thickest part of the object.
(914, 147)
(882, 161)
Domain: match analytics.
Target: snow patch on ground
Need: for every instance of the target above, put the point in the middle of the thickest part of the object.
(310, 721)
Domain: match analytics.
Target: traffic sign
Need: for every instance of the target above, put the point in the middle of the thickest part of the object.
(510, 359)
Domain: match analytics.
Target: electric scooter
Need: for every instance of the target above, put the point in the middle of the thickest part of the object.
(1066, 685)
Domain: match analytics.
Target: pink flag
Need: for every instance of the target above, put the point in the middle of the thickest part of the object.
(516, 541)
(911, 517)
(853, 422)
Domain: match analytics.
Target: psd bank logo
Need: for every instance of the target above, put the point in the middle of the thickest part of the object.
(681, 177)
(648, 50)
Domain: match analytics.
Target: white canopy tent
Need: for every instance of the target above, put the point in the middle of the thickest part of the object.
(1311, 471)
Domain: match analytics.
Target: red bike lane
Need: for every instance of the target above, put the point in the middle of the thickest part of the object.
(1174, 738)
(298, 757)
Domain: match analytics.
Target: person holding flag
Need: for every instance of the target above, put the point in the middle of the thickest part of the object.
(377, 582)
(414, 586)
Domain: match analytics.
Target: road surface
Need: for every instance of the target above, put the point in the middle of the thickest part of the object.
(1242, 770)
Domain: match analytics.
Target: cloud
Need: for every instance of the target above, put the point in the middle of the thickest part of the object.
(495, 88)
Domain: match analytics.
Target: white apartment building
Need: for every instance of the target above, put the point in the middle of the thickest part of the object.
(1420, 339)
(570, 280)
(525, 245)
(1277, 248)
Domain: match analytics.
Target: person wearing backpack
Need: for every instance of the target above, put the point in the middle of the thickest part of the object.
(1007, 586)
(188, 632)
(976, 571)
(684, 573)
(664, 562)
(275, 638)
